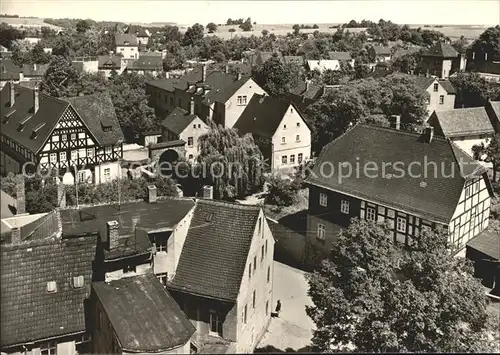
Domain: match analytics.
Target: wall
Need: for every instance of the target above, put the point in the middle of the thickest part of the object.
(119, 274)
(291, 146)
(467, 143)
(434, 105)
(115, 172)
(233, 110)
(128, 52)
(103, 337)
(250, 333)
(8, 164)
(195, 133)
(472, 214)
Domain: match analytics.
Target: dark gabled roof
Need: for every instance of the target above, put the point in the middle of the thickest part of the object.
(8, 70)
(49, 112)
(312, 91)
(265, 56)
(165, 214)
(403, 51)
(441, 50)
(488, 243)
(144, 316)
(109, 62)
(262, 116)
(424, 82)
(126, 40)
(463, 121)
(146, 62)
(138, 31)
(178, 120)
(34, 70)
(495, 107)
(339, 55)
(381, 50)
(214, 256)
(29, 312)
(98, 112)
(430, 197)
(446, 84)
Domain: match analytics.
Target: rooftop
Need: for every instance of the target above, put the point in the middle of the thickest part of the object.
(125, 40)
(381, 50)
(432, 195)
(488, 243)
(441, 50)
(178, 120)
(144, 316)
(109, 61)
(463, 122)
(213, 259)
(340, 55)
(146, 62)
(29, 311)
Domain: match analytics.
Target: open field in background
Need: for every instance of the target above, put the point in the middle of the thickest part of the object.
(26, 22)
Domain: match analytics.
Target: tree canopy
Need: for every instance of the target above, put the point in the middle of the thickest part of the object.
(372, 295)
(276, 77)
(473, 90)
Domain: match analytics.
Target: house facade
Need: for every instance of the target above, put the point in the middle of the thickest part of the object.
(127, 46)
(217, 95)
(108, 63)
(466, 127)
(80, 137)
(441, 60)
(441, 93)
(380, 54)
(181, 125)
(456, 198)
(279, 130)
(146, 64)
(140, 32)
(231, 307)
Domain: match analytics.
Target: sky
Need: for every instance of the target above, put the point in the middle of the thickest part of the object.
(457, 12)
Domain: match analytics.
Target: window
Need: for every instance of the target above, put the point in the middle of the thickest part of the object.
(265, 248)
(401, 224)
(53, 157)
(49, 348)
(107, 173)
(74, 155)
(199, 125)
(436, 86)
(249, 271)
(267, 307)
(190, 156)
(78, 281)
(194, 126)
(62, 156)
(253, 299)
(245, 315)
(268, 274)
(259, 223)
(190, 141)
(370, 214)
(241, 100)
(81, 176)
(55, 138)
(107, 149)
(441, 99)
(299, 158)
(129, 268)
(298, 124)
(320, 234)
(344, 207)
(291, 110)
(64, 138)
(323, 199)
(283, 140)
(254, 264)
(262, 254)
(292, 159)
(215, 323)
(51, 286)
(73, 136)
(297, 138)
(90, 152)
(284, 126)
(283, 159)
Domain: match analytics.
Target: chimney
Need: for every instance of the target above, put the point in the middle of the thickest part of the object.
(238, 76)
(152, 194)
(36, 104)
(485, 57)
(396, 121)
(113, 234)
(208, 192)
(21, 200)
(429, 134)
(191, 106)
(226, 70)
(61, 195)
(15, 235)
(203, 73)
(34, 67)
(167, 75)
(12, 93)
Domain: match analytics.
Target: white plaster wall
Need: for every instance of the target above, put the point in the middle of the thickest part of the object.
(233, 110)
(115, 171)
(196, 133)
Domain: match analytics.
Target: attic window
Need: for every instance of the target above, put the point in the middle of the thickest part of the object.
(22, 123)
(7, 116)
(209, 217)
(106, 126)
(51, 286)
(34, 134)
(78, 281)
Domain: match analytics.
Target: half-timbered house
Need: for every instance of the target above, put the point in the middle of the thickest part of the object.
(79, 137)
(411, 181)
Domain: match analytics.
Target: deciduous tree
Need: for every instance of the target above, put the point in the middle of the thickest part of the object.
(60, 78)
(211, 27)
(193, 35)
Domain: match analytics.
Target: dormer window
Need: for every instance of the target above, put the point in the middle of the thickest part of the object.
(7, 116)
(51, 287)
(209, 217)
(23, 123)
(34, 134)
(78, 281)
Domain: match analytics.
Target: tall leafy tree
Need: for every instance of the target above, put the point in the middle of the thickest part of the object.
(276, 77)
(60, 78)
(233, 164)
(473, 90)
(82, 26)
(211, 27)
(371, 295)
(8, 34)
(194, 35)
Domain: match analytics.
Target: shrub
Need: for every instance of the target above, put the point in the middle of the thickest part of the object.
(282, 192)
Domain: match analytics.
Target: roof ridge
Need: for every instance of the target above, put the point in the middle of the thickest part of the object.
(398, 131)
(61, 100)
(228, 203)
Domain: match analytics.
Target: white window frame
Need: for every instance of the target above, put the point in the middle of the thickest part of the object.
(78, 281)
(284, 159)
(300, 158)
(435, 87)
(90, 152)
(192, 142)
(292, 158)
(401, 224)
(82, 176)
(369, 212)
(283, 140)
(74, 155)
(297, 138)
(53, 157)
(441, 99)
(107, 174)
(62, 156)
(323, 199)
(344, 206)
(321, 231)
(48, 348)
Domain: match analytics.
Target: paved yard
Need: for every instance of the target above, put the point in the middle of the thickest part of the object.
(293, 328)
